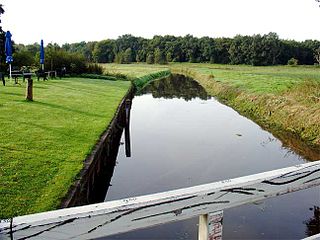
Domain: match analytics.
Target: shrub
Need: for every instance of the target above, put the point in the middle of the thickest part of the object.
(94, 68)
(293, 62)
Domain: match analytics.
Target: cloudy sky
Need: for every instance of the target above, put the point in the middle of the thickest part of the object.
(70, 21)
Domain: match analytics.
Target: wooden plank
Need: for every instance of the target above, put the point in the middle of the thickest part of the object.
(119, 216)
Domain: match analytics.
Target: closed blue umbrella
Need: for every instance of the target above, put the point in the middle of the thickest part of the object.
(42, 55)
(8, 50)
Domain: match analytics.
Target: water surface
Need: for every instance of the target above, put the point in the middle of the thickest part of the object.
(180, 137)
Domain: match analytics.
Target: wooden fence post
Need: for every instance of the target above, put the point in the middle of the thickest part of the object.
(30, 90)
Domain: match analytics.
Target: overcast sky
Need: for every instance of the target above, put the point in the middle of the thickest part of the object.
(70, 21)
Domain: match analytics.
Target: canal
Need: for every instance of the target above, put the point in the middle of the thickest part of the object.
(182, 137)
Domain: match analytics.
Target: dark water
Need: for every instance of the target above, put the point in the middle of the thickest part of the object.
(180, 137)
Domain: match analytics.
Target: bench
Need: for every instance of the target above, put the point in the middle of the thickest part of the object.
(41, 74)
(52, 74)
(15, 75)
(26, 76)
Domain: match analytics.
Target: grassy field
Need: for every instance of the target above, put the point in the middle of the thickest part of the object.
(279, 98)
(134, 70)
(43, 143)
(259, 80)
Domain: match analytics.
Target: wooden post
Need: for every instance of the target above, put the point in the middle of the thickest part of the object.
(203, 227)
(215, 225)
(30, 90)
(210, 226)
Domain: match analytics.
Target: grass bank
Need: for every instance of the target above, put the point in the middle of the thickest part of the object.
(133, 71)
(43, 143)
(140, 74)
(281, 99)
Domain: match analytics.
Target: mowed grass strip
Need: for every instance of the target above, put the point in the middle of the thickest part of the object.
(43, 143)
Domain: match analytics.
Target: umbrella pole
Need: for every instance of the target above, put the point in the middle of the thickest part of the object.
(42, 67)
(10, 76)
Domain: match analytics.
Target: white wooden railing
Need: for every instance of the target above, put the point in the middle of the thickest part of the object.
(109, 218)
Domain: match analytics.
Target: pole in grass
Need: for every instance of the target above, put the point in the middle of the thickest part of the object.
(42, 55)
(29, 90)
(8, 50)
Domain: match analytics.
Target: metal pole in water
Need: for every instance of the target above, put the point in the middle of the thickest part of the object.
(127, 128)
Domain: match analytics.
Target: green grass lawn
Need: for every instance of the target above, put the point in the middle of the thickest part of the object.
(264, 80)
(43, 143)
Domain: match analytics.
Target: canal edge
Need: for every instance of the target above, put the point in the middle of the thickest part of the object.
(82, 188)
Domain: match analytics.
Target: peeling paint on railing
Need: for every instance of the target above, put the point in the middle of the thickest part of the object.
(109, 218)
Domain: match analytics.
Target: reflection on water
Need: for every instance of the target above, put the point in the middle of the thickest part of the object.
(182, 139)
(176, 86)
(313, 224)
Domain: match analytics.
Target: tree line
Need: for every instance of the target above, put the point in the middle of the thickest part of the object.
(257, 50)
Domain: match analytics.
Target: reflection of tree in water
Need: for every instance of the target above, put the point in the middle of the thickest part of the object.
(313, 224)
(176, 86)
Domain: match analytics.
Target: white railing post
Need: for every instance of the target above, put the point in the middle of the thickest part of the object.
(203, 227)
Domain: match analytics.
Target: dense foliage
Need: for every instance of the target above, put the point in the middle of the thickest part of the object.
(258, 50)
(2, 41)
(56, 58)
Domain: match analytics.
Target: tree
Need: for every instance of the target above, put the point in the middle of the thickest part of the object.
(104, 51)
(159, 57)
(150, 58)
(141, 55)
(317, 55)
(1, 12)
(127, 56)
(23, 58)
(2, 41)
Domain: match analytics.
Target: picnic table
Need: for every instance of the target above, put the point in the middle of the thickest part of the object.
(15, 75)
(46, 75)
(27, 75)
(52, 74)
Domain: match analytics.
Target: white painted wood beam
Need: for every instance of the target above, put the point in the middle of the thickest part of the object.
(109, 218)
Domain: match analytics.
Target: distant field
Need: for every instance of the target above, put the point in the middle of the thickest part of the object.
(134, 70)
(267, 79)
(43, 143)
